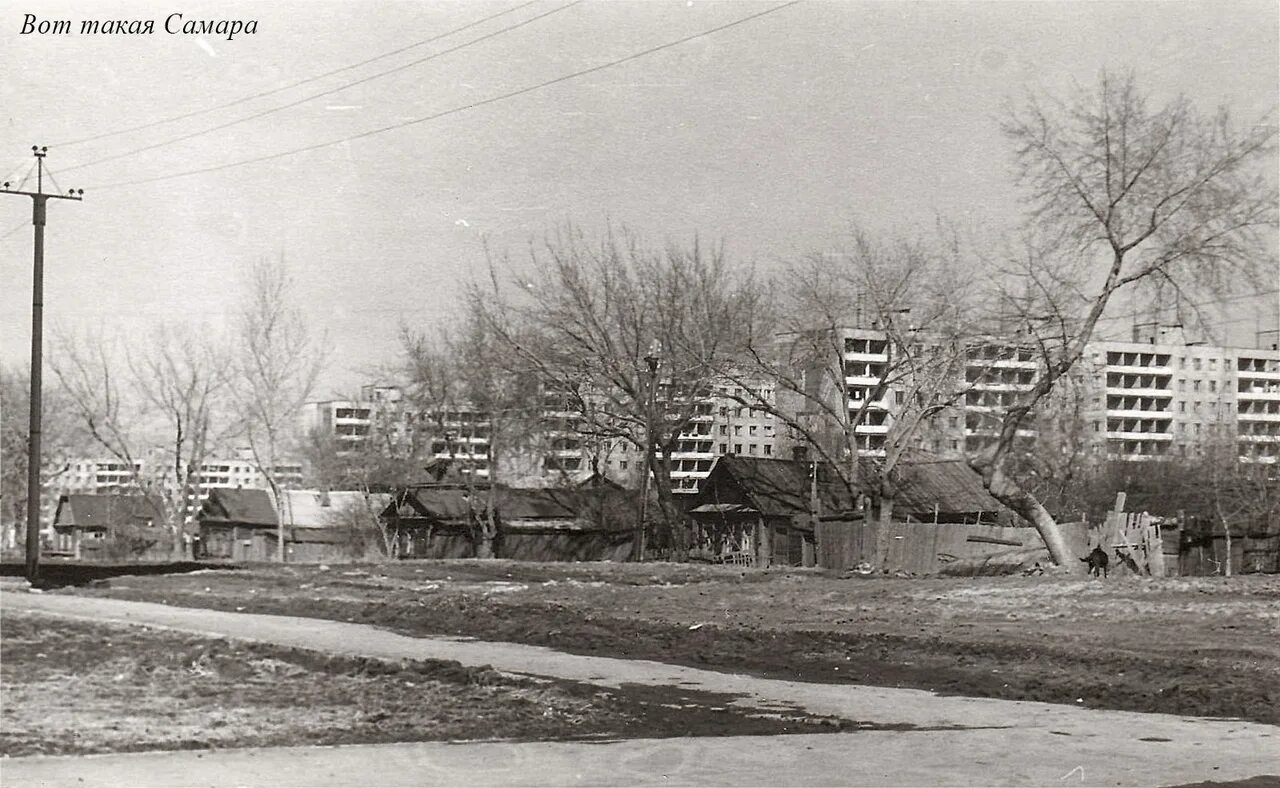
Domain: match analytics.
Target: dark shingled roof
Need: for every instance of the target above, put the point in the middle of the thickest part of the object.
(106, 511)
(449, 503)
(781, 488)
(244, 506)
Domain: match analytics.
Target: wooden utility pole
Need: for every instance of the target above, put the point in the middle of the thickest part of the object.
(38, 203)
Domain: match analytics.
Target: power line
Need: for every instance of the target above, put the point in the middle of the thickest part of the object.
(291, 85)
(313, 96)
(456, 110)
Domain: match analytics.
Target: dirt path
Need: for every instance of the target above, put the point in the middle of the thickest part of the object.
(952, 739)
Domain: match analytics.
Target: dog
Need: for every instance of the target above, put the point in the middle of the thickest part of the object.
(1097, 561)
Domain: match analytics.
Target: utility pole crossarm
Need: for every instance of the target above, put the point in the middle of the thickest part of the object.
(39, 200)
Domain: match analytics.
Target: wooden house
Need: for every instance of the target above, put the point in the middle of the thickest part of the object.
(550, 524)
(111, 528)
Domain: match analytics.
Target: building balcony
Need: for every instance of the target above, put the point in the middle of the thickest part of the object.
(1253, 374)
(1002, 363)
(693, 455)
(1258, 417)
(1140, 436)
(867, 358)
(872, 429)
(1135, 457)
(994, 431)
(996, 385)
(862, 380)
(1258, 439)
(1259, 392)
(1160, 414)
(689, 474)
(1118, 391)
(1138, 369)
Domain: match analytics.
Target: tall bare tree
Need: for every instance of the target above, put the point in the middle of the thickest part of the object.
(874, 336)
(1123, 193)
(278, 360)
(169, 391)
(629, 336)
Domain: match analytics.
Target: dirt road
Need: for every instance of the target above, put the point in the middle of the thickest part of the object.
(905, 737)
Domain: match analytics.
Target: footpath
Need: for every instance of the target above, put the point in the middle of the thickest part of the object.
(934, 740)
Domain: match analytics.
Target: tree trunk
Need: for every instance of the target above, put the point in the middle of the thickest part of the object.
(1226, 529)
(1007, 492)
(672, 516)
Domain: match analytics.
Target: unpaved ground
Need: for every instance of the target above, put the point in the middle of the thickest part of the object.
(1199, 646)
(71, 687)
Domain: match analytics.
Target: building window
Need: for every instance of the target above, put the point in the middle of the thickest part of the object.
(751, 449)
(768, 449)
(724, 448)
(737, 448)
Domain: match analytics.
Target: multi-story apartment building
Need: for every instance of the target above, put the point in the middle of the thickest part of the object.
(1153, 396)
(1257, 412)
(996, 375)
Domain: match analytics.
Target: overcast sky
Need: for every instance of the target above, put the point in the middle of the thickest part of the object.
(772, 135)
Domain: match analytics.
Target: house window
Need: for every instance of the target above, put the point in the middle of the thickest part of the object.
(751, 449)
(768, 449)
(737, 448)
(724, 448)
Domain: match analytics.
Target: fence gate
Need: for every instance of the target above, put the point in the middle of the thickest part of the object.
(1132, 540)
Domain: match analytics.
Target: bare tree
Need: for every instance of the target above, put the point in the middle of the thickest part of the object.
(629, 336)
(59, 437)
(864, 352)
(1122, 194)
(277, 364)
(171, 387)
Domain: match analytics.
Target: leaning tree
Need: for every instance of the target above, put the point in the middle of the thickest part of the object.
(1122, 193)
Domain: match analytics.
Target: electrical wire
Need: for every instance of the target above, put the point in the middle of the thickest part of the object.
(454, 110)
(321, 94)
(291, 85)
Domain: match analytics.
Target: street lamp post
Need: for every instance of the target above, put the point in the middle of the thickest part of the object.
(39, 201)
(652, 360)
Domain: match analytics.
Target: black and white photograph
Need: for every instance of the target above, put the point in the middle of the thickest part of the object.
(639, 392)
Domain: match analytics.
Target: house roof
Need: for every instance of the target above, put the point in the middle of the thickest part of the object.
(951, 485)
(105, 511)
(452, 502)
(772, 487)
(244, 506)
(319, 509)
(782, 488)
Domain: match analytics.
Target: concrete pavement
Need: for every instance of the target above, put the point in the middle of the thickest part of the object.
(950, 740)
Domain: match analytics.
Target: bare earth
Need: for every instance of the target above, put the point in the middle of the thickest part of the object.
(73, 687)
(1195, 646)
(903, 737)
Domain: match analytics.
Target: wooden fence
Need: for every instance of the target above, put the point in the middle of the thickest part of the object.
(925, 548)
